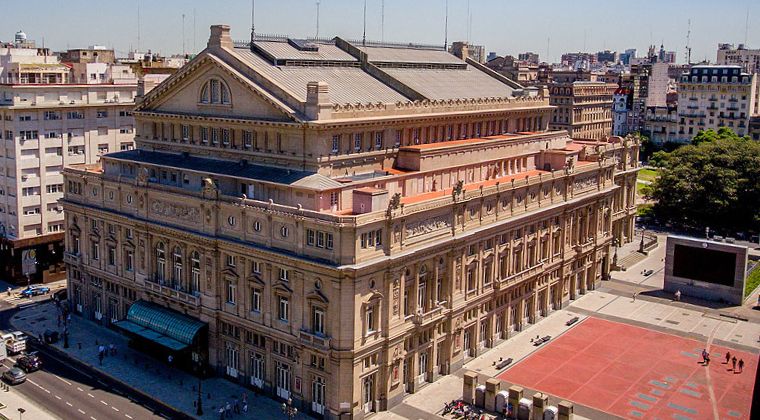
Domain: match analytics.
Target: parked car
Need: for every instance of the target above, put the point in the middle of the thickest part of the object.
(60, 295)
(14, 376)
(35, 290)
(29, 362)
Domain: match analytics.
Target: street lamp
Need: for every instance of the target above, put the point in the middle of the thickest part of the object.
(20, 412)
(289, 410)
(199, 368)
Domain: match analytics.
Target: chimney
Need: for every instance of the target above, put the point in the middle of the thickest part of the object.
(318, 104)
(220, 37)
(460, 50)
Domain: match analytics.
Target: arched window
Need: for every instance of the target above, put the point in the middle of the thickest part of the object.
(177, 267)
(215, 91)
(195, 267)
(160, 262)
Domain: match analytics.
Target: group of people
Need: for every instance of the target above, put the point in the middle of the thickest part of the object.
(104, 351)
(235, 407)
(729, 359)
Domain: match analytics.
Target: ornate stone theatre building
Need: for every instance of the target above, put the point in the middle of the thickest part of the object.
(341, 223)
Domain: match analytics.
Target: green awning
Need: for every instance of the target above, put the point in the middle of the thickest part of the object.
(163, 326)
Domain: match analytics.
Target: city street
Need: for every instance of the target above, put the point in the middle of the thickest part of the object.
(63, 389)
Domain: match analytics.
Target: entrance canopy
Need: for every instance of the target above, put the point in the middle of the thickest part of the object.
(160, 325)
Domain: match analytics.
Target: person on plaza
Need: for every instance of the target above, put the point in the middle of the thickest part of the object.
(245, 408)
(741, 365)
(733, 364)
(228, 409)
(704, 356)
(170, 359)
(100, 356)
(707, 360)
(221, 413)
(678, 295)
(728, 357)
(9, 292)
(236, 406)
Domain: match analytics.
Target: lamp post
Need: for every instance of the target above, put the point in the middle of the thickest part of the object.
(289, 410)
(21, 411)
(199, 367)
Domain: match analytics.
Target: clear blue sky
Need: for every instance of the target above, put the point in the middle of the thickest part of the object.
(503, 26)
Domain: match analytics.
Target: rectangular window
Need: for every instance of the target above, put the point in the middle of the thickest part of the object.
(214, 136)
(102, 114)
(310, 237)
(111, 255)
(247, 139)
(185, 132)
(226, 137)
(282, 309)
(129, 260)
(204, 135)
(329, 241)
(231, 291)
(75, 115)
(284, 275)
(357, 142)
(379, 140)
(320, 239)
(256, 267)
(256, 300)
(318, 321)
(94, 251)
(397, 142)
(230, 261)
(370, 315)
(335, 143)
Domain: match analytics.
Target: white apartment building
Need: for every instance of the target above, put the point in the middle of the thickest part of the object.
(748, 58)
(49, 120)
(714, 96)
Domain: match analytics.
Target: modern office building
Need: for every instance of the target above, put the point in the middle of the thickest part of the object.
(50, 117)
(338, 223)
(714, 96)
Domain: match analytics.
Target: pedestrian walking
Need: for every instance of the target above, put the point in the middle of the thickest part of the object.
(704, 355)
(236, 406)
(228, 409)
(221, 413)
(634, 296)
(100, 358)
(9, 292)
(728, 357)
(245, 408)
(170, 359)
(741, 365)
(733, 363)
(678, 295)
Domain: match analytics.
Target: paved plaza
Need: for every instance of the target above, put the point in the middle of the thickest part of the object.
(634, 372)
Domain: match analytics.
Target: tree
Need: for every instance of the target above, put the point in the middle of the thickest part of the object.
(713, 182)
(659, 159)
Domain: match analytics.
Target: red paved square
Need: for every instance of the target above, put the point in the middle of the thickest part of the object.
(637, 373)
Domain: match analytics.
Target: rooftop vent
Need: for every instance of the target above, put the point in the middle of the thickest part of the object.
(303, 45)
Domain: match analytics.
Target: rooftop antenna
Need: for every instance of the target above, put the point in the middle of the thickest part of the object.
(184, 51)
(317, 35)
(138, 25)
(364, 34)
(688, 41)
(446, 28)
(469, 22)
(746, 27)
(382, 20)
(194, 27)
(548, 41)
(253, 20)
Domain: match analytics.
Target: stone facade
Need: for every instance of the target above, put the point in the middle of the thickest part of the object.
(710, 97)
(343, 255)
(583, 108)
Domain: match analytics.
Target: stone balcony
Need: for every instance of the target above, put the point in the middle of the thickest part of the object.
(173, 293)
(314, 340)
(421, 319)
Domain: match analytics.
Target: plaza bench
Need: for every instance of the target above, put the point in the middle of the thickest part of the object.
(504, 363)
(572, 321)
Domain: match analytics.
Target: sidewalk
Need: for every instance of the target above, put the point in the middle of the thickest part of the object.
(13, 401)
(171, 386)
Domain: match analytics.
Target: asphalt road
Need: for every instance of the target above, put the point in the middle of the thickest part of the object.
(68, 392)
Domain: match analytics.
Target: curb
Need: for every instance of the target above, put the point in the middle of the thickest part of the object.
(174, 412)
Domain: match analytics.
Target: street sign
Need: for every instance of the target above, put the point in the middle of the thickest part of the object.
(29, 261)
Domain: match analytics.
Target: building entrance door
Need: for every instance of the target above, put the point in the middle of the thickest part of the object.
(283, 381)
(368, 394)
(318, 396)
(422, 374)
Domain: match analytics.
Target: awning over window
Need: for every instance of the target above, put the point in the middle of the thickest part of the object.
(163, 326)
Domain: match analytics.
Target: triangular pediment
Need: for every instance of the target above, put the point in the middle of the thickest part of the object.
(229, 272)
(181, 94)
(255, 278)
(318, 296)
(282, 287)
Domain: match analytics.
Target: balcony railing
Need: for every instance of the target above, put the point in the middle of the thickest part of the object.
(421, 318)
(315, 340)
(173, 293)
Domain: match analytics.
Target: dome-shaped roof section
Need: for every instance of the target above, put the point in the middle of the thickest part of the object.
(20, 36)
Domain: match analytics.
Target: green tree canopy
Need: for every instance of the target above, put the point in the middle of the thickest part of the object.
(713, 182)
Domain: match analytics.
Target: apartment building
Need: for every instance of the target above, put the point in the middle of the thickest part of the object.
(747, 58)
(340, 223)
(48, 120)
(583, 108)
(714, 96)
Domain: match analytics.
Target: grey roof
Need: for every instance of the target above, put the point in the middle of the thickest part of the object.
(451, 84)
(304, 179)
(346, 84)
(409, 55)
(286, 51)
